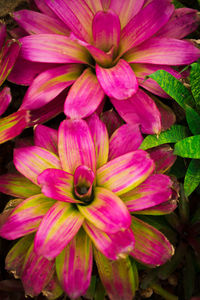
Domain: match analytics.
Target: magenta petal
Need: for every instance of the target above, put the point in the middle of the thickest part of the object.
(125, 139)
(49, 84)
(76, 146)
(42, 6)
(119, 81)
(35, 23)
(33, 160)
(112, 120)
(151, 246)
(113, 246)
(140, 109)
(153, 17)
(166, 51)
(160, 209)
(37, 272)
(106, 30)
(183, 21)
(102, 58)
(46, 138)
(74, 265)
(168, 117)
(53, 48)
(5, 99)
(84, 96)
(83, 183)
(57, 228)
(57, 184)
(2, 34)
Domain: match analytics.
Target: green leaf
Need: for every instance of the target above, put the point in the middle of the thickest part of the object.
(173, 87)
(179, 168)
(195, 82)
(188, 276)
(188, 147)
(173, 135)
(192, 177)
(177, 4)
(193, 120)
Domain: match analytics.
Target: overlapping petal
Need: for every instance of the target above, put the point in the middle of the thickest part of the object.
(2, 34)
(5, 99)
(46, 138)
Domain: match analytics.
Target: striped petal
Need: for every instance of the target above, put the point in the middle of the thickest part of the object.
(2, 34)
(126, 138)
(84, 96)
(151, 247)
(26, 217)
(74, 265)
(35, 23)
(119, 81)
(56, 230)
(8, 209)
(5, 99)
(33, 160)
(126, 9)
(106, 30)
(46, 138)
(75, 146)
(153, 191)
(112, 120)
(18, 186)
(53, 48)
(83, 183)
(166, 51)
(183, 22)
(57, 184)
(107, 212)
(53, 289)
(113, 246)
(76, 14)
(12, 125)
(100, 137)
(125, 172)
(159, 210)
(15, 257)
(119, 278)
(153, 17)
(49, 84)
(37, 272)
(140, 109)
(42, 6)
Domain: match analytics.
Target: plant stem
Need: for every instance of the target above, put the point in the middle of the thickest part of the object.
(163, 293)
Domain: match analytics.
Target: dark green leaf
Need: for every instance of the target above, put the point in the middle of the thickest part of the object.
(173, 87)
(179, 168)
(196, 216)
(173, 135)
(188, 147)
(184, 210)
(195, 82)
(177, 4)
(192, 177)
(188, 276)
(193, 120)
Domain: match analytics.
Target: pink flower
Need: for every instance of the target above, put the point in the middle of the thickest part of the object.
(75, 192)
(12, 125)
(102, 48)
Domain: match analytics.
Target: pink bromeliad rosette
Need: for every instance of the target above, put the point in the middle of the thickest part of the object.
(77, 193)
(101, 48)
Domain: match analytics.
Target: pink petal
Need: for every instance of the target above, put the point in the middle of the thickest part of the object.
(168, 117)
(76, 14)
(35, 23)
(75, 146)
(56, 230)
(5, 99)
(163, 157)
(49, 84)
(42, 6)
(106, 30)
(95, 5)
(26, 217)
(154, 190)
(151, 246)
(126, 138)
(107, 212)
(153, 17)
(46, 138)
(37, 272)
(140, 109)
(119, 277)
(53, 289)
(57, 184)
(119, 81)
(74, 265)
(105, 4)
(183, 22)
(113, 246)
(2, 34)
(126, 9)
(100, 137)
(112, 120)
(166, 51)
(102, 58)
(33, 160)
(53, 48)
(159, 210)
(18, 186)
(84, 96)
(83, 183)
(125, 172)
(12, 125)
